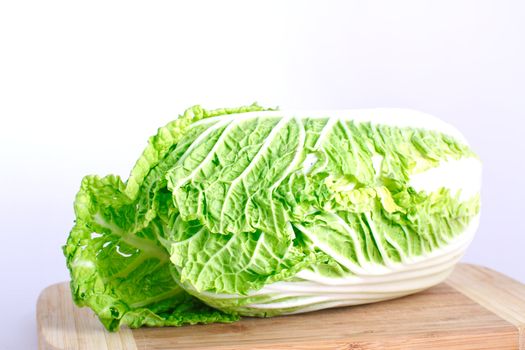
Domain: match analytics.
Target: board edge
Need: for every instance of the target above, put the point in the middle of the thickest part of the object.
(498, 293)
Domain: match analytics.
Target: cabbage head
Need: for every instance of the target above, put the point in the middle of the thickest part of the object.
(260, 212)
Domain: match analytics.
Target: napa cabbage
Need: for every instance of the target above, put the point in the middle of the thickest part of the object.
(260, 212)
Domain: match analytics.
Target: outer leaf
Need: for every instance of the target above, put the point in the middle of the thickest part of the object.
(124, 276)
(118, 265)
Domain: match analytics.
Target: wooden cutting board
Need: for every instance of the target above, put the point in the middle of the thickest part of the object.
(476, 308)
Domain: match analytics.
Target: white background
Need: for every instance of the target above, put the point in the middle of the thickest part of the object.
(83, 84)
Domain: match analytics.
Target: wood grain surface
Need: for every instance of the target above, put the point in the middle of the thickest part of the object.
(476, 308)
